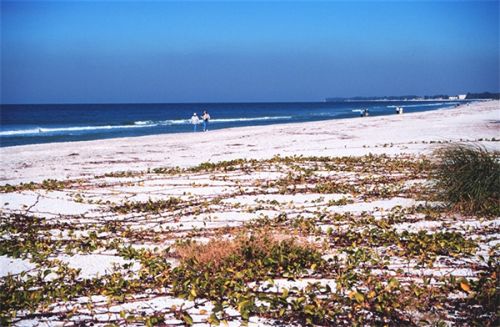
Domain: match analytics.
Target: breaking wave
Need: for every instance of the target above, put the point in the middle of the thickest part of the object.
(423, 105)
(136, 124)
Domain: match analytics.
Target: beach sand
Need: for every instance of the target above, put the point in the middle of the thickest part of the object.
(407, 133)
(376, 211)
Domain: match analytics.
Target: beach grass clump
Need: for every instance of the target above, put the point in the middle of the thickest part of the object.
(468, 178)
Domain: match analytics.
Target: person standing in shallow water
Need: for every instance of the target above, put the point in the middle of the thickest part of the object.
(195, 121)
(206, 118)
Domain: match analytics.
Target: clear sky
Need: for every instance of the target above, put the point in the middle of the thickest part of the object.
(110, 51)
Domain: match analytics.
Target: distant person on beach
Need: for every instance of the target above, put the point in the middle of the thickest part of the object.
(206, 118)
(195, 121)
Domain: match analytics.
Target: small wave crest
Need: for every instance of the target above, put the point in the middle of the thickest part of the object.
(173, 122)
(217, 120)
(226, 120)
(145, 122)
(423, 105)
(135, 124)
(223, 120)
(43, 130)
(20, 132)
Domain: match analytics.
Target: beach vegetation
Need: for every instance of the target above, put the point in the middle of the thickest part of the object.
(229, 165)
(468, 178)
(222, 270)
(47, 184)
(305, 262)
(118, 174)
(171, 203)
(165, 170)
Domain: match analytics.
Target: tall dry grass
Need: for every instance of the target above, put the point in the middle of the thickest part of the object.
(242, 247)
(468, 177)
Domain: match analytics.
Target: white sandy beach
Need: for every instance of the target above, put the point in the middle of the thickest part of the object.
(407, 133)
(94, 223)
(282, 213)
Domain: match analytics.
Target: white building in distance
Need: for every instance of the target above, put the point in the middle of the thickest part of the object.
(458, 97)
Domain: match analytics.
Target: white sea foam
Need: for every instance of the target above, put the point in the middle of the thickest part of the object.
(224, 120)
(161, 122)
(173, 122)
(19, 132)
(218, 120)
(146, 122)
(43, 130)
(424, 105)
(136, 124)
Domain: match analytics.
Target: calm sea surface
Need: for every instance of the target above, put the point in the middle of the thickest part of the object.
(30, 124)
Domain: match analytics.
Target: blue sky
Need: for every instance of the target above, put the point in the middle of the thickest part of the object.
(111, 51)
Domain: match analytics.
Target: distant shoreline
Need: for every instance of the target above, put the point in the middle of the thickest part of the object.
(409, 100)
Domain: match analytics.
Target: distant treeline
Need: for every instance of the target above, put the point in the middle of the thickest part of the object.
(392, 98)
(484, 95)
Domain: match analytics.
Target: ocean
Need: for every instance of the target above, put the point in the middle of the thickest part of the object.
(32, 124)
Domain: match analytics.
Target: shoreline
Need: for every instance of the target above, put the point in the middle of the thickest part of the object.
(123, 138)
(189, 131)
(391, 134)
(416, 100)
(159, 126)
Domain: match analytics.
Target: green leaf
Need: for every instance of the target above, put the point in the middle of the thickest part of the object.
(359, 297)
(393, 283)
(187, 318)
(213, 320)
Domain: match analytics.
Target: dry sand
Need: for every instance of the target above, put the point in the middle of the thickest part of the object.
(407, 133)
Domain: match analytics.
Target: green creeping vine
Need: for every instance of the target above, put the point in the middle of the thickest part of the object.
(149, 206)
(48, 184)
(361, 269)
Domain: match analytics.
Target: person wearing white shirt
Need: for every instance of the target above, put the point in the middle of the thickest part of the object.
(195, 121)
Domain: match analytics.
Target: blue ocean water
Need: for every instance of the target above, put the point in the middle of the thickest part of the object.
(31, 124)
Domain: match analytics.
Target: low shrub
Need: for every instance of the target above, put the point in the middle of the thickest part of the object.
(244, 250)
(222, 270)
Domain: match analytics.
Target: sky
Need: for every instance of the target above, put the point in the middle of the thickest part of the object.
(143, 52)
